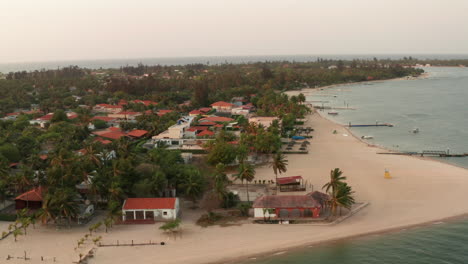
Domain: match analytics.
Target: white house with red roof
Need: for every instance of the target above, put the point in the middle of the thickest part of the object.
(150, 209)
(222, 106)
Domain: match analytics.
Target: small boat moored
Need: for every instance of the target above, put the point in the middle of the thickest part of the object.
(367, 137)
(415, 131)
(333, 113)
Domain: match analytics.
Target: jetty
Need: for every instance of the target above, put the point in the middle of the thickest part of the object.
(433, 153)
(333, 108)
(377, 124)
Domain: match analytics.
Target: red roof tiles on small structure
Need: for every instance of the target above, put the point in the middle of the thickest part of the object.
(195, 112)
(289, 180)
(137, 133)
(103, 141)
(222, 104)
(149, 203)
(103, 118)
(204, 109)
(113, 135)
(205, 133)
(163, 112)
(217, 119)
(34, 195)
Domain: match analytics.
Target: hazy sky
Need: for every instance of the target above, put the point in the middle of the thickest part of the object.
(44, 30)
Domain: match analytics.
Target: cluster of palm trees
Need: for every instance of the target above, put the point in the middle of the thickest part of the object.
(341, 194)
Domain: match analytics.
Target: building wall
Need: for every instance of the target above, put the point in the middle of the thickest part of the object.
(258, 213)
(315, 212)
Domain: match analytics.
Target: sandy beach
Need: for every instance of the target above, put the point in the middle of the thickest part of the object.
(421, 191)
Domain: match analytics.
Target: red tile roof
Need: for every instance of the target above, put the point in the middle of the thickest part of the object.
(222, 104)
(103, 141)
(163, 112)
(114, 129)
(103, 118)
(205, 133)
(217, 119)
(149, 203)
(113, 135)
(195, 112)
(289, 180)
(207, 123)
(200, 127)
(205, 109)
(109, 106)
(137, 133)
(47, 117)
(34, 195)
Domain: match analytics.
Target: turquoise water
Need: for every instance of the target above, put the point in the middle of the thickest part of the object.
(437, 105)
(444, 243)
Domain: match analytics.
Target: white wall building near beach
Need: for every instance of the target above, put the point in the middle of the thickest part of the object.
(152, 209)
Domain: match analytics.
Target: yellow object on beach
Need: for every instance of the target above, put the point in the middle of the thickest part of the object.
(387, 174)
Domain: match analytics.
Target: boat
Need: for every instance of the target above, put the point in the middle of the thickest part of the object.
(415, 131)
(333, 113)
(367, 137)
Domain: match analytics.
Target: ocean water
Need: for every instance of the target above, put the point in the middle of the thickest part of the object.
(437, 105)
(117, 63)
(441, 243)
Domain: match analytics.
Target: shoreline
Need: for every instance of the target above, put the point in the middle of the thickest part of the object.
(299, 248)
(418, 187)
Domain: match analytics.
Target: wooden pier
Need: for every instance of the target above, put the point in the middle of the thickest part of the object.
(433, 153)
(371, 125)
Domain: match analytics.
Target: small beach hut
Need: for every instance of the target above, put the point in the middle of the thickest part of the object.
(286, 207)
(291, 184)
(148, 210)
(31, 199)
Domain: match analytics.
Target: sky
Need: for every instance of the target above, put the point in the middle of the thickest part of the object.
(49, 30)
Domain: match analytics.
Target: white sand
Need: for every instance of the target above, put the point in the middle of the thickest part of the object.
(421, 191)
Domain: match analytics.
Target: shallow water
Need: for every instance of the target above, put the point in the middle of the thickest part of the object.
(437, 105)
(439, 243)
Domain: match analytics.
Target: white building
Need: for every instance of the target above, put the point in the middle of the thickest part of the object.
(150, 209)
(175, 134)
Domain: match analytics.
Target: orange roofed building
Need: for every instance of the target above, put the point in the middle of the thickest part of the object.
(31, 199)
(142, 210)
(222, 106)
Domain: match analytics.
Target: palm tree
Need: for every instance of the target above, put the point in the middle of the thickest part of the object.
(92, 155)
(336, 179)
(342, 197)
(279, 165)
(220, 180)
(193, 184)
(247, 174)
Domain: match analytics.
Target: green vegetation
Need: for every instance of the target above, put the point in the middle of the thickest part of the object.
(64, 153)
(340, 193)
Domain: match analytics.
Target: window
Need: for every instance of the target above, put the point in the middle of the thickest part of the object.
(164, 213)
